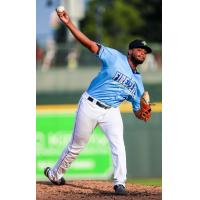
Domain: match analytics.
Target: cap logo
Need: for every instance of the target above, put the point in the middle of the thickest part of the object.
(144, 43)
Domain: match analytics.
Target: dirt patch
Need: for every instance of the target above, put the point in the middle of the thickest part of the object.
(94, 190)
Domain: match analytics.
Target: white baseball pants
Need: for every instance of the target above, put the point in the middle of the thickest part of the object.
(88, 116)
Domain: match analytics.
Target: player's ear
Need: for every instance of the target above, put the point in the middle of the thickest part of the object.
(129, 51)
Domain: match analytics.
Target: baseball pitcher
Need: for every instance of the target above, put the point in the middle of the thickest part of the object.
(118, 80)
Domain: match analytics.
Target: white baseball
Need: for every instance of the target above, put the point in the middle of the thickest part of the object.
(60, 8)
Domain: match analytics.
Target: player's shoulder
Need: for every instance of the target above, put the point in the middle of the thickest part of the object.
(109, 50)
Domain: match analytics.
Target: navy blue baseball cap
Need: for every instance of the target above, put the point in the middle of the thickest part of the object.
(139, 44)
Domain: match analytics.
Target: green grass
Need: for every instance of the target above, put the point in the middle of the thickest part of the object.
(146, 181)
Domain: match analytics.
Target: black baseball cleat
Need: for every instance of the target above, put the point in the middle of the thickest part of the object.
(120, 190)
(59, 182)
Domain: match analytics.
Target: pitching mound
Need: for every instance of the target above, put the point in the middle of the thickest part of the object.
(94, 190)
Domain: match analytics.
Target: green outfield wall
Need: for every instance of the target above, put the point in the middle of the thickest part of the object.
(53, 134)
(63, 97)
(143, 143)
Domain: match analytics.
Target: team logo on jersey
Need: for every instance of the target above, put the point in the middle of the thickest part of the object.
(126, 82)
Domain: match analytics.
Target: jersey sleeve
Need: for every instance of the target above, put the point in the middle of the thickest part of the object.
(135, 105)
(136, 101)
(107, 55)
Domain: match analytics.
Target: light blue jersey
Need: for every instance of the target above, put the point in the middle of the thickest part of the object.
(116, 81)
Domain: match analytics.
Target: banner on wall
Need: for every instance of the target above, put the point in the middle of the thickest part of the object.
(54, 130)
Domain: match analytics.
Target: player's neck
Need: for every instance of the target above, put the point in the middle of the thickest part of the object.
(132, 65)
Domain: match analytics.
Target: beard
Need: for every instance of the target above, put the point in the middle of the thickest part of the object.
(136, 60)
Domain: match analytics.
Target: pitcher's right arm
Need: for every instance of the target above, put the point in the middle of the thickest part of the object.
(83, 39)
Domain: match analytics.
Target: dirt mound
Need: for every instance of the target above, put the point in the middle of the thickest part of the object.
(94, 190)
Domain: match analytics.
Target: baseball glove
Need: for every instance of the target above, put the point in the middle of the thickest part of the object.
(145, 107)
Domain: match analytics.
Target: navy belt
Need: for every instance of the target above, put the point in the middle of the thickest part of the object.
(98, 103)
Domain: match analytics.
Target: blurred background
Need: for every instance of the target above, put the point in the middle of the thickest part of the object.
(64, 70)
